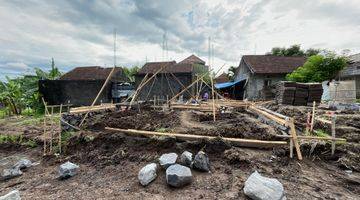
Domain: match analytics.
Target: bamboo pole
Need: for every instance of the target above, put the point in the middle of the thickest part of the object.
(198, 79)
(313, 117)
(98, 95)
(59, 144)
(182, 85)
(145, 82)
(235, 141)
(213, 98)
(313, 138)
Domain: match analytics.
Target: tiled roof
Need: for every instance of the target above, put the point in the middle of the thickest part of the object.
(169, 67)
(90, 73)
(193, 60)
(222, 78)
(267, 64)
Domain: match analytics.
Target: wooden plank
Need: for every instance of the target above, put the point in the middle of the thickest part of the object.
(234, 141)
(294, 138)
(313, 138)
(268, 115)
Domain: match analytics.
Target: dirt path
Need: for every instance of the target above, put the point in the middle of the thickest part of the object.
(187, 121)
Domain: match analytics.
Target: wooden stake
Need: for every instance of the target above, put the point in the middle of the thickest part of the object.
(59, 144)
(98, 95)
(213, 98)
(294, 137)
(333, 132)
(313, 117)
(235, 141)
(307, 130)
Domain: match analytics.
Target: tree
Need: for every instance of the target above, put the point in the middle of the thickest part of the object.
(131, 72)
(293, 50)
(22, 92)
(318, 68)
(231, 73)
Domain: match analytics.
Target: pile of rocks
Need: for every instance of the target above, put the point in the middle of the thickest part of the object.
(15, 170)
(177, 174)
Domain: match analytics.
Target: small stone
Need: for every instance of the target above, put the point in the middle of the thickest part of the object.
(167, 159)
(13, 195)
(11, 173)
(186, 158)
(201, 162)
(262, 188)
(67, 170)
(178, 175)
(23, 164)
(147, 174)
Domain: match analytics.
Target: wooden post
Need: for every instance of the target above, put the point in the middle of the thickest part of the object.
(307, 130)
(213, 98)
(313, 117)
(291, 148)
(98, 95)
(154, 101)
(59, 144)
(294, 138)
(333, 132)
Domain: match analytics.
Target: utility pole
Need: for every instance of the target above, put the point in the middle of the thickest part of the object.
(114, 47)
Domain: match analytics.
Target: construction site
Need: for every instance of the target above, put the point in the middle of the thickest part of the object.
(310, 152)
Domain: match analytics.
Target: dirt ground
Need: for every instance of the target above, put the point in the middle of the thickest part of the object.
(109, 162)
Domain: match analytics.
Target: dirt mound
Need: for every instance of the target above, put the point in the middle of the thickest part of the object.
(146, 120)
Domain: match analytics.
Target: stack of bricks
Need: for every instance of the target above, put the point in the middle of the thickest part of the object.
(298, 94)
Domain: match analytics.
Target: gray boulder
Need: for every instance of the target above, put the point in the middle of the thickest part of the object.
(67, 170)
(178, 175)
(147, 174)
(186, 158)
(11, 173)
(13, 195)
(167, 159)
(258, 187)
(23, 164)
(201, 162)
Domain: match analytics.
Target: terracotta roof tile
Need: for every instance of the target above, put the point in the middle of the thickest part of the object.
(266, 64)
(90, 73)
(152, 67)
(193, 60)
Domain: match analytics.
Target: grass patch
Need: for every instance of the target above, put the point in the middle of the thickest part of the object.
(30, 143)
(162, 130)
(321, 133)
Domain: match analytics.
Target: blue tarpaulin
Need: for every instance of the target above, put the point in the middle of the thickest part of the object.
(226, 84)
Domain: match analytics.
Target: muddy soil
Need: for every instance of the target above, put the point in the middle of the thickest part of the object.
(110, 163)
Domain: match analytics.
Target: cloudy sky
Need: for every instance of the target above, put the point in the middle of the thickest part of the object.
(80, 32)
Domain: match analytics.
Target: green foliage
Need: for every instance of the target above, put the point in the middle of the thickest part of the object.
(231, 73)
(294, 50)
(162, 130)
(318, 68)
(30, 143)
(321, 133)
(131, 72)
(22, 93)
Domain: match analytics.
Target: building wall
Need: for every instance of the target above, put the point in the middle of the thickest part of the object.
(256, 84)
(164, 85)
(78, 93)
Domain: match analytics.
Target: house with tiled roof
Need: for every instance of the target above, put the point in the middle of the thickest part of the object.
(171, 77)
(80, 86)
(257, 73)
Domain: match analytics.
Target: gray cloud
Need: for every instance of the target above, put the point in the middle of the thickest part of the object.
(79, 32)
